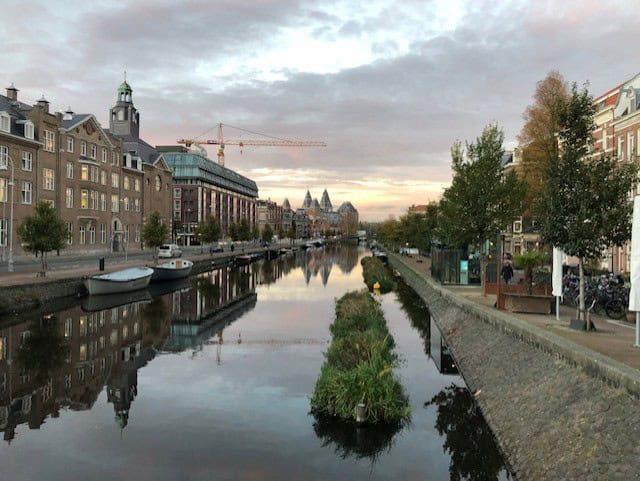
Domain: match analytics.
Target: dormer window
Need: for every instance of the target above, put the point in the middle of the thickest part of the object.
(5, 122)
(29, 130)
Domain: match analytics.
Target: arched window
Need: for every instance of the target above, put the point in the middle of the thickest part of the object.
(158, 183)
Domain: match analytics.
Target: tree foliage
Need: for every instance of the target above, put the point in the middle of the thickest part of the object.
(155, 232)
(209, 231)
(482, 200)
(43, 232)
(538, 137)
(244, 230)
(267, 233)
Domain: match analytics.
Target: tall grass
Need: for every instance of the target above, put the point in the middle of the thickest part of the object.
(359, 366)
(373, 270)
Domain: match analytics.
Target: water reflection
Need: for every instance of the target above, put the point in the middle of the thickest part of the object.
(352, 441)
(468, 439)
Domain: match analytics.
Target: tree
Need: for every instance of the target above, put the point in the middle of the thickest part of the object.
(481, 201)
(538, 137)
(155, 233)
(244, 230)
(291, 233)
(43, 232)
(209, 231)
(584, 206)
(232, 231)
(267, 233)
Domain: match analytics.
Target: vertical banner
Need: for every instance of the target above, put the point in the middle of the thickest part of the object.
(634, 295)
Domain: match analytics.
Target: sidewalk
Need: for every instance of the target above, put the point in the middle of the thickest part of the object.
(614, 339)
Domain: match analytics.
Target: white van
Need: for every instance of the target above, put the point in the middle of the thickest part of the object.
(170, 250)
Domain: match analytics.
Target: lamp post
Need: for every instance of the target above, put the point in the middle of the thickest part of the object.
(11, 183)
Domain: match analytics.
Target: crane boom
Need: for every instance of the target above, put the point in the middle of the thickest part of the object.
(273, 142)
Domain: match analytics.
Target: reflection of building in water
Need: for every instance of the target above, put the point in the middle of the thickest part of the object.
(95, 342)
(216, 299)
(320, 261)
(440, 353)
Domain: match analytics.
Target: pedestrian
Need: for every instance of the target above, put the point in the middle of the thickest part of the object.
(507, 272)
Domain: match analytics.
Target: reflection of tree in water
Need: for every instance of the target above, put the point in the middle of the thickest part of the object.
(209, 291)
(468, 439)
(44, 350)
(267, 272)
(417, 311)
(351, 440)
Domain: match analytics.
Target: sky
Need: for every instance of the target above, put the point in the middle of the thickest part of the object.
(388, 85)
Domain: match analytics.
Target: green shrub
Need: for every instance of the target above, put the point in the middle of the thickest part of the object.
(357, 311)
(348, 352)
(373, 270)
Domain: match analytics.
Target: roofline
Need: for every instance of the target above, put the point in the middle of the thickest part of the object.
(90, 116)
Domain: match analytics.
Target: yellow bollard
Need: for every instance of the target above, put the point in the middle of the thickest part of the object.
(376, 288)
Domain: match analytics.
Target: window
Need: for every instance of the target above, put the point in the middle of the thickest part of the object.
(126, 204)
(83, 148)
(84, 199)
(48, 179)
(177, 193)
(95, 174)
(176, 205)
(69, 143)
(27, 161)
(69, 170)
(69, 198)
(28, 130)
(3, 189)
(136, 184)
(26, 192)
(137, 239)
(136, 205)
(4, 157)
(630, 152)
(104, 155)
(126, 183)
(115, 180)
(94, 200)
(114, 156)
(70, 233)
(103, 177)
(83, 235)
(103, 233)
(103, 202)
(620, 148)
(92, 234)
(114, 203)
(5, 122)
(49, 141)
(84, 172)
(94, 151)
(3, 232)
(158, 183)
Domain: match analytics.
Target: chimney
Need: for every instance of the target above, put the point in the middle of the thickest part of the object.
(12, 92)
(43, 104)
(68, 114)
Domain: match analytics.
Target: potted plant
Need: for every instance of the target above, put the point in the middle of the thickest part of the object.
(529, 261)
(528, 301)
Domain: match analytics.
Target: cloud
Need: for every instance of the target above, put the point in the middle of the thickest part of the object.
(388, 85)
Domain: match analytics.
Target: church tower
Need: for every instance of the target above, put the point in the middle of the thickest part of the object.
(124, 120)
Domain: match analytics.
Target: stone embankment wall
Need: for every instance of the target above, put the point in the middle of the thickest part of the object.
(559, 411)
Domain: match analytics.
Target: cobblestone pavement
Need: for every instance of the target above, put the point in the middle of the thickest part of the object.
(553, 420)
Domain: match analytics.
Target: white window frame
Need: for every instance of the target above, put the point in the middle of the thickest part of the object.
(84, 199)
(69, 233)
(69, 170)
(4, 231)
(103, 233)
(83, 148)
(92, 234)
(70, 143)
(93, 151)
(48, 179)
(26, 192)
(4, 157)
(83, 235)
(103, 202)
(49, 141)
(29, 130)
(5, 122)
(115, 203)
(104, 155)
(27, 161)
(69, 197)
(4, 185)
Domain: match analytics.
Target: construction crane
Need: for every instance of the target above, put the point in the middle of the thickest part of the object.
(272, 142)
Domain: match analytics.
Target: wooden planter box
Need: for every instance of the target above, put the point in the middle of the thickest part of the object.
(533, 304)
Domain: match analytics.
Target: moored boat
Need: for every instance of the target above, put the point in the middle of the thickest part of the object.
(126, 280)
(172, 270)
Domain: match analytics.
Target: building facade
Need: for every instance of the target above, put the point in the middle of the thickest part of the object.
(204, 189)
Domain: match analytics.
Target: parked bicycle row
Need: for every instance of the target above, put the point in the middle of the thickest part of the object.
(606, 294)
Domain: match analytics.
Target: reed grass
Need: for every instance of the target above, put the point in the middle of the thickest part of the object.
(373, 270)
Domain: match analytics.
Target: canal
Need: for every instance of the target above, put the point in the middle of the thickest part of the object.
(211, 379)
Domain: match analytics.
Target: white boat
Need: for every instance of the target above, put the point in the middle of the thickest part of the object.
(172, 270)
(126, 280)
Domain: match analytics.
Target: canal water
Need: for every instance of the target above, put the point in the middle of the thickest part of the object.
(211, 379)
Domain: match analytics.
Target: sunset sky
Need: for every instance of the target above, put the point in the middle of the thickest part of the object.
(388, 85)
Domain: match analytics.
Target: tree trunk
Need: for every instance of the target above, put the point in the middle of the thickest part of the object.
(581, 315)
(43, 263)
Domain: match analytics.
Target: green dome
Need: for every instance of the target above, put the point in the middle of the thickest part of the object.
(124, 87)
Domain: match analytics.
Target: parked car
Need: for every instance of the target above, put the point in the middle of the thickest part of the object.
(215, 248)
(170, 250)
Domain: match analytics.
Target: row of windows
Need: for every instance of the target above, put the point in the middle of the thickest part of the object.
(27, 159)
(93, 151)
(5, 125)
(88, 235)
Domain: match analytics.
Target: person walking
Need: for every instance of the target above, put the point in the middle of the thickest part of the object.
(507, 272)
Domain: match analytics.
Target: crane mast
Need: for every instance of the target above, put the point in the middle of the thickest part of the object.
(273, 142)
